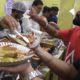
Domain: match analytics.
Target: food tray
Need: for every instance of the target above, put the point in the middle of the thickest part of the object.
(18, 61)
(48, 43)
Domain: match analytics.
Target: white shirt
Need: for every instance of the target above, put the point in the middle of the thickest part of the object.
(30, 25)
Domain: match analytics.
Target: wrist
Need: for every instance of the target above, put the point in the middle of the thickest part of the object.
(29, 70)
(37, 48)
(24, 75)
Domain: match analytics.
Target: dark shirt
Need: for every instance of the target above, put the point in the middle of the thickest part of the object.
(53, 18)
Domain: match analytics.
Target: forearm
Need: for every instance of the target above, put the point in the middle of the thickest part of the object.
(49, 28)
(59, 67)
(25, 75)
(54, 25)
(25, 71)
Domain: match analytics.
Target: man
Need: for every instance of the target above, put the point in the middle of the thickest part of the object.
(53, 14)
(18, 9)
(46, 12)
(29, 24)
(45, 15)
(76, 20)
(70, 69)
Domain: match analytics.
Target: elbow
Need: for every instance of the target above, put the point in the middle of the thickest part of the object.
(71, 73)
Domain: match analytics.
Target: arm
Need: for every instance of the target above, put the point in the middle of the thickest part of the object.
(61, 68)
(48, 27)
(24, 69)
(54, 24)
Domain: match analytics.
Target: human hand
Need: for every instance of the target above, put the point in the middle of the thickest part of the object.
(9, 22)
(54, 24)
(32, 11)
(35, 43)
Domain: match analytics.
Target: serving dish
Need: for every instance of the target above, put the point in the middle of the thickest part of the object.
(12, 54)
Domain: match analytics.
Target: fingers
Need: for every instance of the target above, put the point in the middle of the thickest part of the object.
(33, 11)
(36, 43)
(10, 22)
(52, 23)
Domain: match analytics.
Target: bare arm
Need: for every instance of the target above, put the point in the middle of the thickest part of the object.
(54, 25)
(61, 68)
(24, 69)
(48, 27)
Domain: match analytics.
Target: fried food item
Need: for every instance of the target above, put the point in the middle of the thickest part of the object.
(8, 51)
(30, 37)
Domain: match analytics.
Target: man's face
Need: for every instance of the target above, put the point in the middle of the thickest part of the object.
(19, 15)
(47, 14)
(38, 8)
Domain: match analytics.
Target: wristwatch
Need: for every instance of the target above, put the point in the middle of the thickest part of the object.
(34, 74)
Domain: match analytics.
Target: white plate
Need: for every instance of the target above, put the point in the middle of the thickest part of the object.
(18, 46)
(23, 49)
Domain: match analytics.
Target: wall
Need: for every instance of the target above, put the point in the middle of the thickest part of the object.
(2, 2)
(65, 17)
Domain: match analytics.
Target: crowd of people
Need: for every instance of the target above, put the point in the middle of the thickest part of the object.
(67, 69)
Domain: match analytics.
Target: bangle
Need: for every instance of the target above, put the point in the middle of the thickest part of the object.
(34, 74)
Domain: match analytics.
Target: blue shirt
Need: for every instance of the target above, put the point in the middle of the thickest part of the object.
(53, 18)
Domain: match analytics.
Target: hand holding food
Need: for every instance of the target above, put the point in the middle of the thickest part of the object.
(8, 22)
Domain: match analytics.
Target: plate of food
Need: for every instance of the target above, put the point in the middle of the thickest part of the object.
(48, 43)
(22, 39)
(12, 54)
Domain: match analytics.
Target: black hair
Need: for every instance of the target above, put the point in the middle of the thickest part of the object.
(14, 10)
(46, 9)
(76, 20)
(37, 2)
(54, 8)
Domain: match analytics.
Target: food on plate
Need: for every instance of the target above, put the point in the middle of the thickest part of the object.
(9, 53)
(18, 40)
(31, 37)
